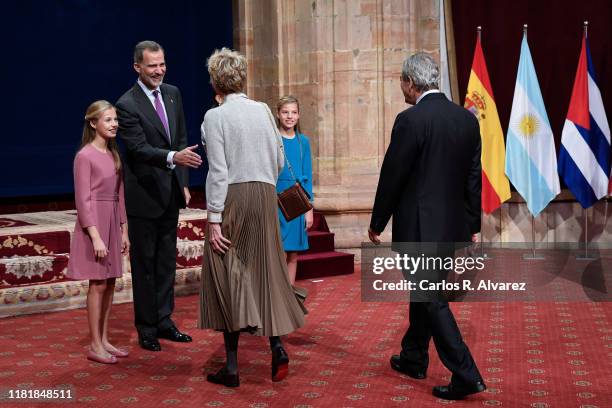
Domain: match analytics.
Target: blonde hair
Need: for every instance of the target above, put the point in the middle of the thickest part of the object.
(285, 100)
(228, 70)
(93, 113)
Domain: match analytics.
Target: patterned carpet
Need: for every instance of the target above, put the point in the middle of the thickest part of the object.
(530, 354)
(34, 252)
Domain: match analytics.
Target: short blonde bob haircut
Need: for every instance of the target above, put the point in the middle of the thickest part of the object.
(228, 70)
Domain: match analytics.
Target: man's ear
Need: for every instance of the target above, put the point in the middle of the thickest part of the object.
(137, 68)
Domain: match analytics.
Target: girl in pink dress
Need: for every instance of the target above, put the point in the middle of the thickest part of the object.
(100, 234)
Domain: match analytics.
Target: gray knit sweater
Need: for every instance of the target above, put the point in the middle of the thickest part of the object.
(242, 145)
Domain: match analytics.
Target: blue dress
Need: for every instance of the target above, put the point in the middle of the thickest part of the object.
(293, 233)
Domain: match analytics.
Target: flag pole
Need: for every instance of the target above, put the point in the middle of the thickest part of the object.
(533, 245)
(606, 209)
(586, 256)
(586, 232)
(501, 230)
(586, 215)
(483, 254)
(533, 235)
(482, 235)
(585, 211)
(533, 256)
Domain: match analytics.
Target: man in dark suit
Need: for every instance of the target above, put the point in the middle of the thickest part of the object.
(152, 127)
(430, 182)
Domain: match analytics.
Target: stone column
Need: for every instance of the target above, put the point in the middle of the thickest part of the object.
(342, 59)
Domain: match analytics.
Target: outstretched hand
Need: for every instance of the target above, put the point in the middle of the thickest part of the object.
(187, 157)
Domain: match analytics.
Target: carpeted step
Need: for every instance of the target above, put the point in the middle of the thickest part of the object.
(319, 223)
(28, 270)
(189, 253)
(34, 247)
(322, 264)
(38, 243)
(320, 241)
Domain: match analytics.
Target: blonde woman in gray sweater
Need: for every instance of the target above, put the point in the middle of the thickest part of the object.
(245, 286)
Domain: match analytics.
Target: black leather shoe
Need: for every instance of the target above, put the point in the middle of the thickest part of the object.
(173, 334)
(280, 364)
(398, 365)
(148, 342)
(223, 378)
(457, 392)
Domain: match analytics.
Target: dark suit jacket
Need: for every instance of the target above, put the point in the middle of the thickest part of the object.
(430, 181)
(148, 180)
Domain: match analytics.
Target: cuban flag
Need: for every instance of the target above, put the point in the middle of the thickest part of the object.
(531, 159)
(584, 157)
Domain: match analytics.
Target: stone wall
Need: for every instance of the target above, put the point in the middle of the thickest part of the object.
(342, 59)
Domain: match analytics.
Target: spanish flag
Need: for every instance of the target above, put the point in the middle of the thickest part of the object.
(479, 100)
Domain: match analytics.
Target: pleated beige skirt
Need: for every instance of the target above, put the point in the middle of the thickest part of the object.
(248, 288)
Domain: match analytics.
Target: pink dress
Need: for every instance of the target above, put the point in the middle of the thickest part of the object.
(98, 191)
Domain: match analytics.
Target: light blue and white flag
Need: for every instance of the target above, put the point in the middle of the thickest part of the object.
(531, 160)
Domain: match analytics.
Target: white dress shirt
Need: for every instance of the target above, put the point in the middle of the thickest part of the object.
(427, 93)
(149, 93)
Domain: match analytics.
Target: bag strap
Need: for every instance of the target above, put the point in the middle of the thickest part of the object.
(279, 140)
(297, 134)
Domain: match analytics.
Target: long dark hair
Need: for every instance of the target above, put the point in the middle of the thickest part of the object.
(93, 113)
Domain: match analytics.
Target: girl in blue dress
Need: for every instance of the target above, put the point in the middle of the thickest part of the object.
(297, 151)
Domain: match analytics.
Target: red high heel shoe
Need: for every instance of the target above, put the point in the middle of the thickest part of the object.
(280, 364)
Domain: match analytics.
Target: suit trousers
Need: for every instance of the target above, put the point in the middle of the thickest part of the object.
(435, 320)
(153, 261)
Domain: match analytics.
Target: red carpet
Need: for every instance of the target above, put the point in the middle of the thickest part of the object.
(322, 260)
(530, 354)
